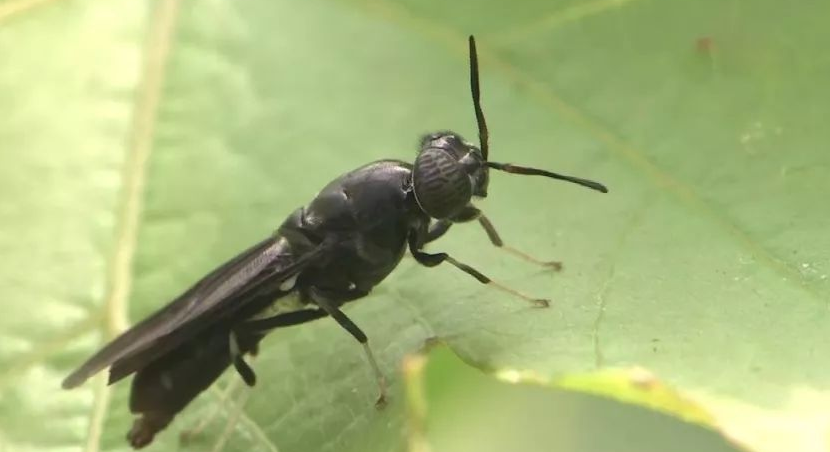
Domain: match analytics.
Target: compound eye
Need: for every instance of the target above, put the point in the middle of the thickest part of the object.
(442, 186)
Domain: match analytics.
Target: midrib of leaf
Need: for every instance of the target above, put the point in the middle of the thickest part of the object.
(560, 17)
(686, 195)
(161, 28)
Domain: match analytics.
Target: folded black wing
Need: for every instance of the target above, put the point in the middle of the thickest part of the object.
(215, 298)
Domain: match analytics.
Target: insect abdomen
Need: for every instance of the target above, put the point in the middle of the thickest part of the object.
(168, 384)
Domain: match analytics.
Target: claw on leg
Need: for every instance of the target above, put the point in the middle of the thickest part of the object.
(380, 403)
(537, 302)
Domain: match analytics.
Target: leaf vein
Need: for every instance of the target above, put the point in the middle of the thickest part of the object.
(602, 296)
(100, 406)
(560, 17)
(157, 47)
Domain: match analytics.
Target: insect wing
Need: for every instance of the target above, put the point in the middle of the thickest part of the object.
(214, 298)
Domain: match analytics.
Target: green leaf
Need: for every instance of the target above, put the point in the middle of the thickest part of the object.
(530, 417)
(145, 142)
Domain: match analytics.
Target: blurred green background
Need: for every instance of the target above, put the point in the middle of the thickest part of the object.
(144, 142)
(468, 411)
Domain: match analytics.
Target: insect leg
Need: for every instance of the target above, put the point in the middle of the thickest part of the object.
(252, 328)
(260, 327)
(165, 386)
(225, 401)
(497, 241)
(264, 325)
(431, 260)
(440, 227)
(242, 368)
(437, 229)
(325, 304)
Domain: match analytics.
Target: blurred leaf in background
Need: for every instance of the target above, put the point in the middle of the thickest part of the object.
(469, 412)
(144, 142)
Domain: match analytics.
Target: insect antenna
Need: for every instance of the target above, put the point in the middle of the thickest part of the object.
(526, 171)
(475, 90)
(483, 136)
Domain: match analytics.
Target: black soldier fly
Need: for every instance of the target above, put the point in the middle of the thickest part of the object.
(332, 251)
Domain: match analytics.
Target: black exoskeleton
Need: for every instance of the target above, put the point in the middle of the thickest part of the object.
(332, 251)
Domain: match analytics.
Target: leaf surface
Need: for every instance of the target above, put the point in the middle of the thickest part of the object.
(145, 142)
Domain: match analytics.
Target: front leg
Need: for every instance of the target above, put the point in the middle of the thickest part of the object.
(497, 241)
(416, 240)
(469, 213)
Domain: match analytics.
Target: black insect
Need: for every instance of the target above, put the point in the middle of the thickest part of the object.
(332, 251)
